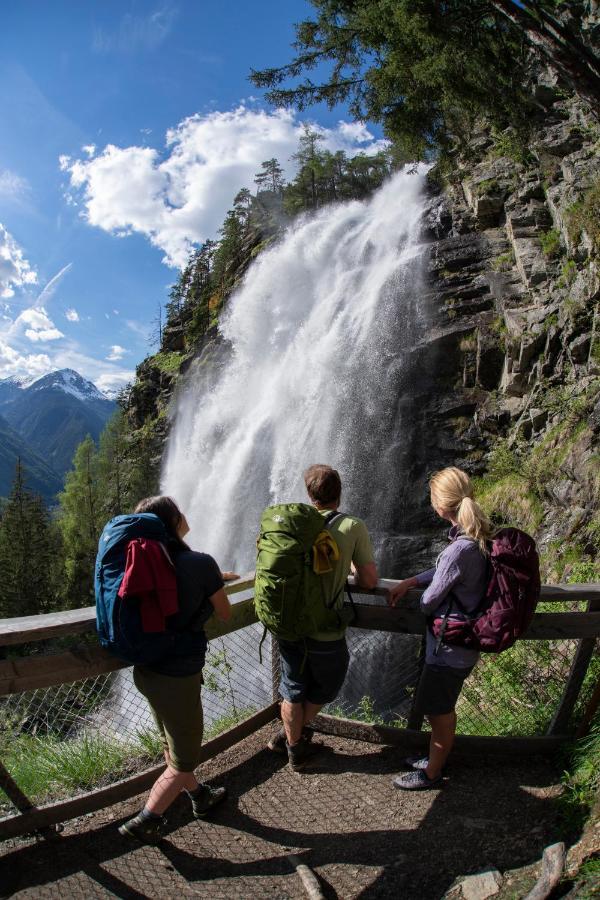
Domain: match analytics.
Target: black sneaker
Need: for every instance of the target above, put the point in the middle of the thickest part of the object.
(147, 829)
(300, 753)
(278, 743)
(206, 798)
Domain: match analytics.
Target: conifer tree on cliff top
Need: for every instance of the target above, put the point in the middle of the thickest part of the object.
(427, 69)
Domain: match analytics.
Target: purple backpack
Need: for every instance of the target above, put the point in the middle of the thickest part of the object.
(512, 593)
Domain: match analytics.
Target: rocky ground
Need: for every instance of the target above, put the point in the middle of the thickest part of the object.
(342, 818)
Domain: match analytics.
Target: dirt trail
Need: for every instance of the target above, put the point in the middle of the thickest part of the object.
(342, 818)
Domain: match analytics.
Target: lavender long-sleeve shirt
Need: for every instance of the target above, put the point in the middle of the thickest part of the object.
(461, 570)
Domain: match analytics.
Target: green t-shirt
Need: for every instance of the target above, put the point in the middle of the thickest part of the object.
(354, 543)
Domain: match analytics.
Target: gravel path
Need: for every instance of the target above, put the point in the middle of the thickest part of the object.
(342, 818)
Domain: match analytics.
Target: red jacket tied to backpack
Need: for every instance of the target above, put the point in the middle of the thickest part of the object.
(150, 579)
(512, 593)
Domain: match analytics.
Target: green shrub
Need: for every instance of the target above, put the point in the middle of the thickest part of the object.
(582, 781)
(504, 261)
(585, 216)
(503, 461)
(169, 362)
(550, 241)
(509, 501)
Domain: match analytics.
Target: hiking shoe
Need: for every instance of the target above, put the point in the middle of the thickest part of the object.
(206, 797)
(147, 829)
(278, 742)
(416, 762)
(300, 753)
(416, 781)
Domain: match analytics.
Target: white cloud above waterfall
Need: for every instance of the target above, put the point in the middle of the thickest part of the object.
(15, 270)
(178, 198)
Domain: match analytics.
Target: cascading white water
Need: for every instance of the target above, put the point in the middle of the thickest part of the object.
(316, 333)
(314, 368)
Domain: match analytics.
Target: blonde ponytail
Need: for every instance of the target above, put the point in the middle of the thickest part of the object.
(452, 492)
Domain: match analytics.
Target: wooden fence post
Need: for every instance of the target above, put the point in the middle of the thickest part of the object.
(579, 666)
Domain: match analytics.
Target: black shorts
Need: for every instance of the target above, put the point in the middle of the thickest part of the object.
(439, 688)
(312, 670)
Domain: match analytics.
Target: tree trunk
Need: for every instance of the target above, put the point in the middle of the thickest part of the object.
(558, 44)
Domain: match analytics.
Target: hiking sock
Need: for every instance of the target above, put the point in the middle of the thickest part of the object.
(147, 816)
(198, 793)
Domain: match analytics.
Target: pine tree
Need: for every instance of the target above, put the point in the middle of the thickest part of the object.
(28, 561)
(270, 177)
(81, 522)
(427, 70)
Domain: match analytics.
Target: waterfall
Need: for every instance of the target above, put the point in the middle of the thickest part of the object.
(313, 368)
(316, 337)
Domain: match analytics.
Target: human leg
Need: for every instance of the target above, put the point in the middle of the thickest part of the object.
(443, 729)
(177, 709)
(292, 716)
(437, 694)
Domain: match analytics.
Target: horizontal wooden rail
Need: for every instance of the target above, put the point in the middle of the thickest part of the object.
(409, 740)
(41, 817)
(545, 626)
(26, 629)
(27, 673)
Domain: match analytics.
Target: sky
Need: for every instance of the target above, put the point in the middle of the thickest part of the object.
(127, 127)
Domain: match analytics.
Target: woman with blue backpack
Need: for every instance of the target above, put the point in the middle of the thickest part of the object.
(455, 587)
(172, 683)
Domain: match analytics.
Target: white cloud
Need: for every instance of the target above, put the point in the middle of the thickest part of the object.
(12, 185)
(15, 270)
(116, 352)
(180, 198)
(13, 362)
(72, 315)
(41, 327)
(90, 149)
(50, 286)
(110, 382)
(135, 32)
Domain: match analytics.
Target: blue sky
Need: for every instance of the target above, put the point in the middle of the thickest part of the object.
(127, 128)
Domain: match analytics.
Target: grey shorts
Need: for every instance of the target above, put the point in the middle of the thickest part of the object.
(439, 688)
(312, 670)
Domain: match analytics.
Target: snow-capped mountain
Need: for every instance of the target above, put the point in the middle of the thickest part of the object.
(70, 382)
(53, 414)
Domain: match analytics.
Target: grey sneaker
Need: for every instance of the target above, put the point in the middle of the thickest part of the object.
(417, 781)
(148, 830)
(416, 762)
(206, 798)
(278, 743)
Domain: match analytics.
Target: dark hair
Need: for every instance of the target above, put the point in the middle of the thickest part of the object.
(323, 484)
(170, 515)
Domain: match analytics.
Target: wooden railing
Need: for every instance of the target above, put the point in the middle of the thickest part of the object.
(19, 674)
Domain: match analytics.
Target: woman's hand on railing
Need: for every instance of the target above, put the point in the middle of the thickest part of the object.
(229, 576)
(399, 590)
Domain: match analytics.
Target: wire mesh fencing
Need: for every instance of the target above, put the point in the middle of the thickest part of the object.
(61, 741)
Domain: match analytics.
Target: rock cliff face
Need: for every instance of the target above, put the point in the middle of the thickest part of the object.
(506, 382)
(514, 347)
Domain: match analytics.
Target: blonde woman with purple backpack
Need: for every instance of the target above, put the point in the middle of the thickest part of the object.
(460, 575)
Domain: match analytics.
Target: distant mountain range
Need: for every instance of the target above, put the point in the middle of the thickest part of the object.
(43, 422)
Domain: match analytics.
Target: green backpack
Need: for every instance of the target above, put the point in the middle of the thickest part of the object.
(289, 597)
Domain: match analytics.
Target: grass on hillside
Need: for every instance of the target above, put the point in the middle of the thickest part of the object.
(47, 767)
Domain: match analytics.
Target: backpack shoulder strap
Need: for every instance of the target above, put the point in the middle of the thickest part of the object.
(334, 514)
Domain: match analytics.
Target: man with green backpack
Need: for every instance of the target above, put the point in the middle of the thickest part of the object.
(305, 554)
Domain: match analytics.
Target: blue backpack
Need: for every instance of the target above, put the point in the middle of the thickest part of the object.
(118, 622)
